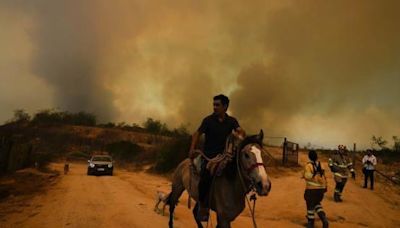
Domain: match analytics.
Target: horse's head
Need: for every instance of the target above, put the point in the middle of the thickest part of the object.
(252, 164)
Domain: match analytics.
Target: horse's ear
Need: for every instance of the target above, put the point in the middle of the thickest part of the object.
(260, 136)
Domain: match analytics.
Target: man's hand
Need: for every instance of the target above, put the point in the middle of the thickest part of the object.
(353, 175)
(192, 153)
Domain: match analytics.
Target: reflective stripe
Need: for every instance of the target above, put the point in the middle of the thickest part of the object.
(341, 165)
(314, 184)
(337, 191)
(340, 175)
(310, 216)
(308, 175)
(319, 210)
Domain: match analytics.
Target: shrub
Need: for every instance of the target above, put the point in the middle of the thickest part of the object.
(172, 153)
(55, 117)
(123, 150)
(79, 155)
(21, 116)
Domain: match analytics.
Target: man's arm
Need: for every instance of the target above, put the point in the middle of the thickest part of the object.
(364, 159)
(240, 131)
(195, 139)
(374, 161)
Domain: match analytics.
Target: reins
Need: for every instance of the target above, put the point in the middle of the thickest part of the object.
(253, 197)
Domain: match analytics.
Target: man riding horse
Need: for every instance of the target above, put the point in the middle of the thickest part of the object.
(216, 127)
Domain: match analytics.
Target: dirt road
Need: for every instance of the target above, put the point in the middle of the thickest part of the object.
(127, 200)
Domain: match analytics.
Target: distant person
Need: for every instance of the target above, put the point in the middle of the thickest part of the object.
(340, 165)
(369, 162)
(316, 187)
(216, 127)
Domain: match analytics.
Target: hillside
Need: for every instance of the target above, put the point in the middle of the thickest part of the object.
(22, 145)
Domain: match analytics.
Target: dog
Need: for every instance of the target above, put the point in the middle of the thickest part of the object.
(66, 168)
(161, 197)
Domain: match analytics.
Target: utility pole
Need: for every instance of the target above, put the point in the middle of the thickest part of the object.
(354, 154)
(284, 151)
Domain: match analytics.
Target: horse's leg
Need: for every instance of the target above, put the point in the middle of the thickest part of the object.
(172, 201)
(178, 186)
(223, 223)
(195, 209)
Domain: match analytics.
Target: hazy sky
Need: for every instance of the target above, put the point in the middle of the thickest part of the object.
(325, 72)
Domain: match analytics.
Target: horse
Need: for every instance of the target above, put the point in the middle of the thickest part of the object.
(245, 172)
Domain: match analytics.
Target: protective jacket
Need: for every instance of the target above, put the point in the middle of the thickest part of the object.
(314, 179)
(340, 164)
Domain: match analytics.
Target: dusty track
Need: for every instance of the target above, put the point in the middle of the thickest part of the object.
(127, 200)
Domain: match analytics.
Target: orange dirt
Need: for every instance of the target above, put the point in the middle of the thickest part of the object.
(127, 200)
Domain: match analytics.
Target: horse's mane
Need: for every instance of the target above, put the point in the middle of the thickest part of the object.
(252, 139)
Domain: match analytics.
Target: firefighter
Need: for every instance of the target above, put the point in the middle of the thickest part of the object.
(316, 187)
(340, 164)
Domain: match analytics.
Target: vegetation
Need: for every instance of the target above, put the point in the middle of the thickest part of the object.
(396, 145)
(378, 141)
(124, 150)
(20, 116)
(172, 153)
(156, 127)
(78, 155)
(34, 141)
(58, 117)
(388, 154)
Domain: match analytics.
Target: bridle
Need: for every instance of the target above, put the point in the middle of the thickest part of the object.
(254, 165)
(250, 187)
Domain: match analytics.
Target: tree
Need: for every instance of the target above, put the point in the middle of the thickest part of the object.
(308, 146)
(21, 116)
(379, 141)
(396, 146)
(153, 126)
(181, 131)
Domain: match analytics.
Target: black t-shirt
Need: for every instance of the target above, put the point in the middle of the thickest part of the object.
(216, 133)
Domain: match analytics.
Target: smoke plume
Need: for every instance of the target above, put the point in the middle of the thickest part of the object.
(314, 71)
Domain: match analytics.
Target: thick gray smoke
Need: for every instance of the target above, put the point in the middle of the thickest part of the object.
(315, 71)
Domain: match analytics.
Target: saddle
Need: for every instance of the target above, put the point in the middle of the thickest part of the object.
(217, 164)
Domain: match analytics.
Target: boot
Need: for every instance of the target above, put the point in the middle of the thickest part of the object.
(310, 223)
(324, 220)
(339, 198)
(335, 197)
